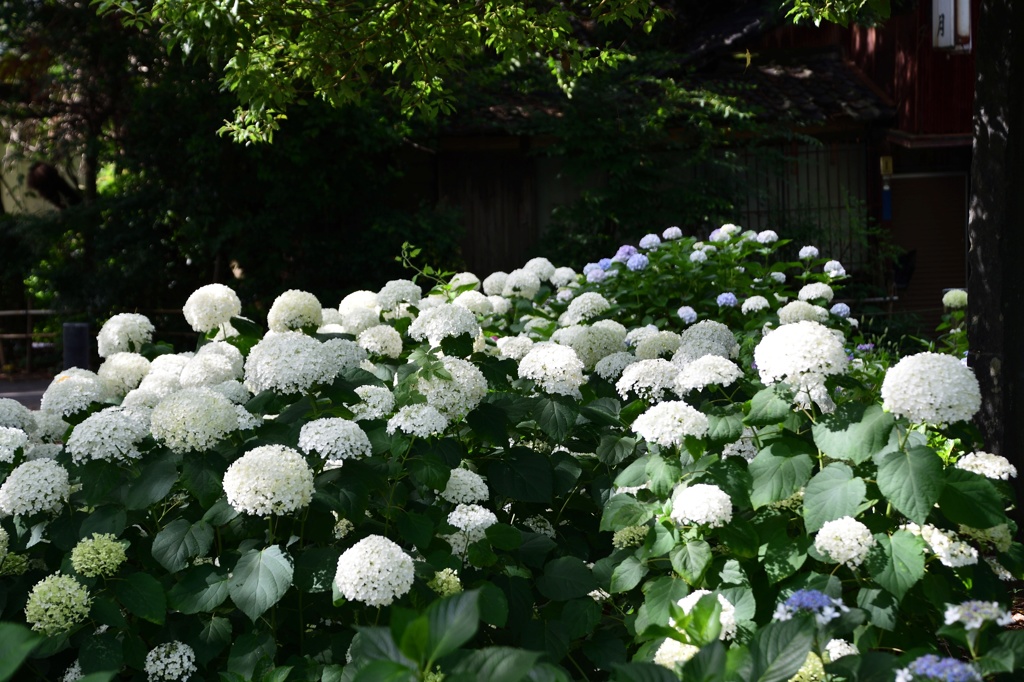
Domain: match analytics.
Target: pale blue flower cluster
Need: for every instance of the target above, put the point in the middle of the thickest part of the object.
(637, 261)
(935, 667)
(814, 602)
(727, 300)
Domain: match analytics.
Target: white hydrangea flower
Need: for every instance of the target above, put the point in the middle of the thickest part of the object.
(56, 604)
(332, 321)
(211, 306)
(123, 371)
(270, 479)
(767, 237)
(816, 290)
(38, 485)
(586, 306)
(73, 673)
(112, 434)
(698, 257)
(802, 354)
(707, 337)
(778, 277)
(358, 320)
(193, 419)
(808, 252)
(72, 391)
(475, 302)
(727, 617)
(974, 614)
(672, 652)
(382, 340)
(538, 524)
(554, 368)
(945, 544)
(49, 427)
(610, 367)
(465, 487)
(710, 370)
(954, 299)
(514, 347)
(669, 422)
(334, 438)
(358, 300)
(657, 345)
(541, 267)
(11, 440)
(638, 334)
(295, 310)
(421, 420)
(590, 343)
(287, 362)
(375, 571)
(124, 332)
(648, 379)
(458, 396)
(494, 283)
(931, 388)
(398, 291)
(443, 322)
(377, 403)
(999, 570)
(170, 662)
(445, 583)
(799, 311)
(837, 648)
(472, 520)
(17, 416)
(500, 304)
(672, 233)
(521, 283)
(563, 277)
(464, 279)
(844, 541)
(834, 268)
(754, 304)
(701, 504)
(207, 369)
(744, 447)
(341, 355)
(988, 465)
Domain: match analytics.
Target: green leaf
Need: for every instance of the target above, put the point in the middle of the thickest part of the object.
(202, 589)
(180, 542)
(153, 484)
(212, 639)
(261, 577)
(249, 651)
(428, 471)
(106, 519)
(627, 575)
(490, 423)
(202, 480)
(16, 643)
(496, 664)
(624, 510)
(724, 428)
(504, 536)
(691, 560)
(708, 665)
(779, 470)
(881, 607)
(854, 432)
(460, 346)
(660, 595)
(556, 415)
(581, 617)
(566, 578)
(386, 671)
(833, 493)
(643, 672)
(614, 449)
(768, 408)
(603, 411)
(663, 474)
(315, 568)
(143, 595)
(779, 649)
(971, 499)
(523, 475)
(782, 556)
(899, 563)
(912, 481)
(453, 622)
(703, 623)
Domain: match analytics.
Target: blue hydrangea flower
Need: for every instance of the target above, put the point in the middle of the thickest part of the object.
(596, 276)
(605, 263)
(814, 602)
(687, 314)
(589, 267)
(865, 346)
(637, 261)
(650, 241)
(727, 300)
(840, 310)
(935, 667)
(624, 253)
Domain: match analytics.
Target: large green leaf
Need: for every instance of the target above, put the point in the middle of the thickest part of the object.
(708, 665)
(202, 589)
(643, 672)
(898, 563)
(566, 578)
(614, 449)
(143, 595)
(556, 415)
(663, 474)
(833, 493)
(768, 408)
(213, 638)
(490, 423)
(627, 575)
(971, 499)
(453, 621)
(691, 560)
(522, 475)
(854, 432)
(496, 664)
(624, 510)
(16, 643)
(260, 579)
(153, 484)
(180, 541)
(724, 428)
(912, 481)
(779, 649)
(779, 470)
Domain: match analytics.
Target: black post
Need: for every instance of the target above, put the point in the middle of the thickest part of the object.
(76, 345)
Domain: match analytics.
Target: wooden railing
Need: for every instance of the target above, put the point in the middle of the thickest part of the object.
(28, 336)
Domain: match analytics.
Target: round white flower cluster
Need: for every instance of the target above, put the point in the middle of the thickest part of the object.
(334, 438)
(294, 310)
(458, 396)
(381, 340)
(377, 403)
(475, 302)
(727, 617)
(17, 416)
(374, 571)
(648, 379)
(710, 370)
(754, 304)
(211, 306)
(124, 332)
(802, 354)
(798, 311)
(745, 447)
(445, 582)
(514, 347)
(170, 662)
(357, 320)
(421, 419)
(48, 427)
(672, 652)
(954, 299)
(56, 604)
(687, 314)
(464, 279)
(591, 343)
(563, 277)
(702, 504)
(11, 440)
(193, 419)
(585, 307)
(698, 257)
(342, 354)
(443, 322)
(945, 544)
(211, 367)
(522, 283)
(814, 291)
(657, 345)
(931, 388)
(837, 648)
(988, 465)
(541, 267)
(287, 362)
(610, 367)
(834, 268)
(99, 555)
(707, 337)
(472, 520)
(398, 291)
(494, 283)
(465, 487)
(38, 485)
(844, 541)
(808, 252)
(72, 391)
(974, 614)
(767, 237)
(554, 368)
(270, 479)
(668, 423)
(112, 434)
(121, 372)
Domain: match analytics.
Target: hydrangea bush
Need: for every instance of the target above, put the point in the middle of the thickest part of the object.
(678, 463)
